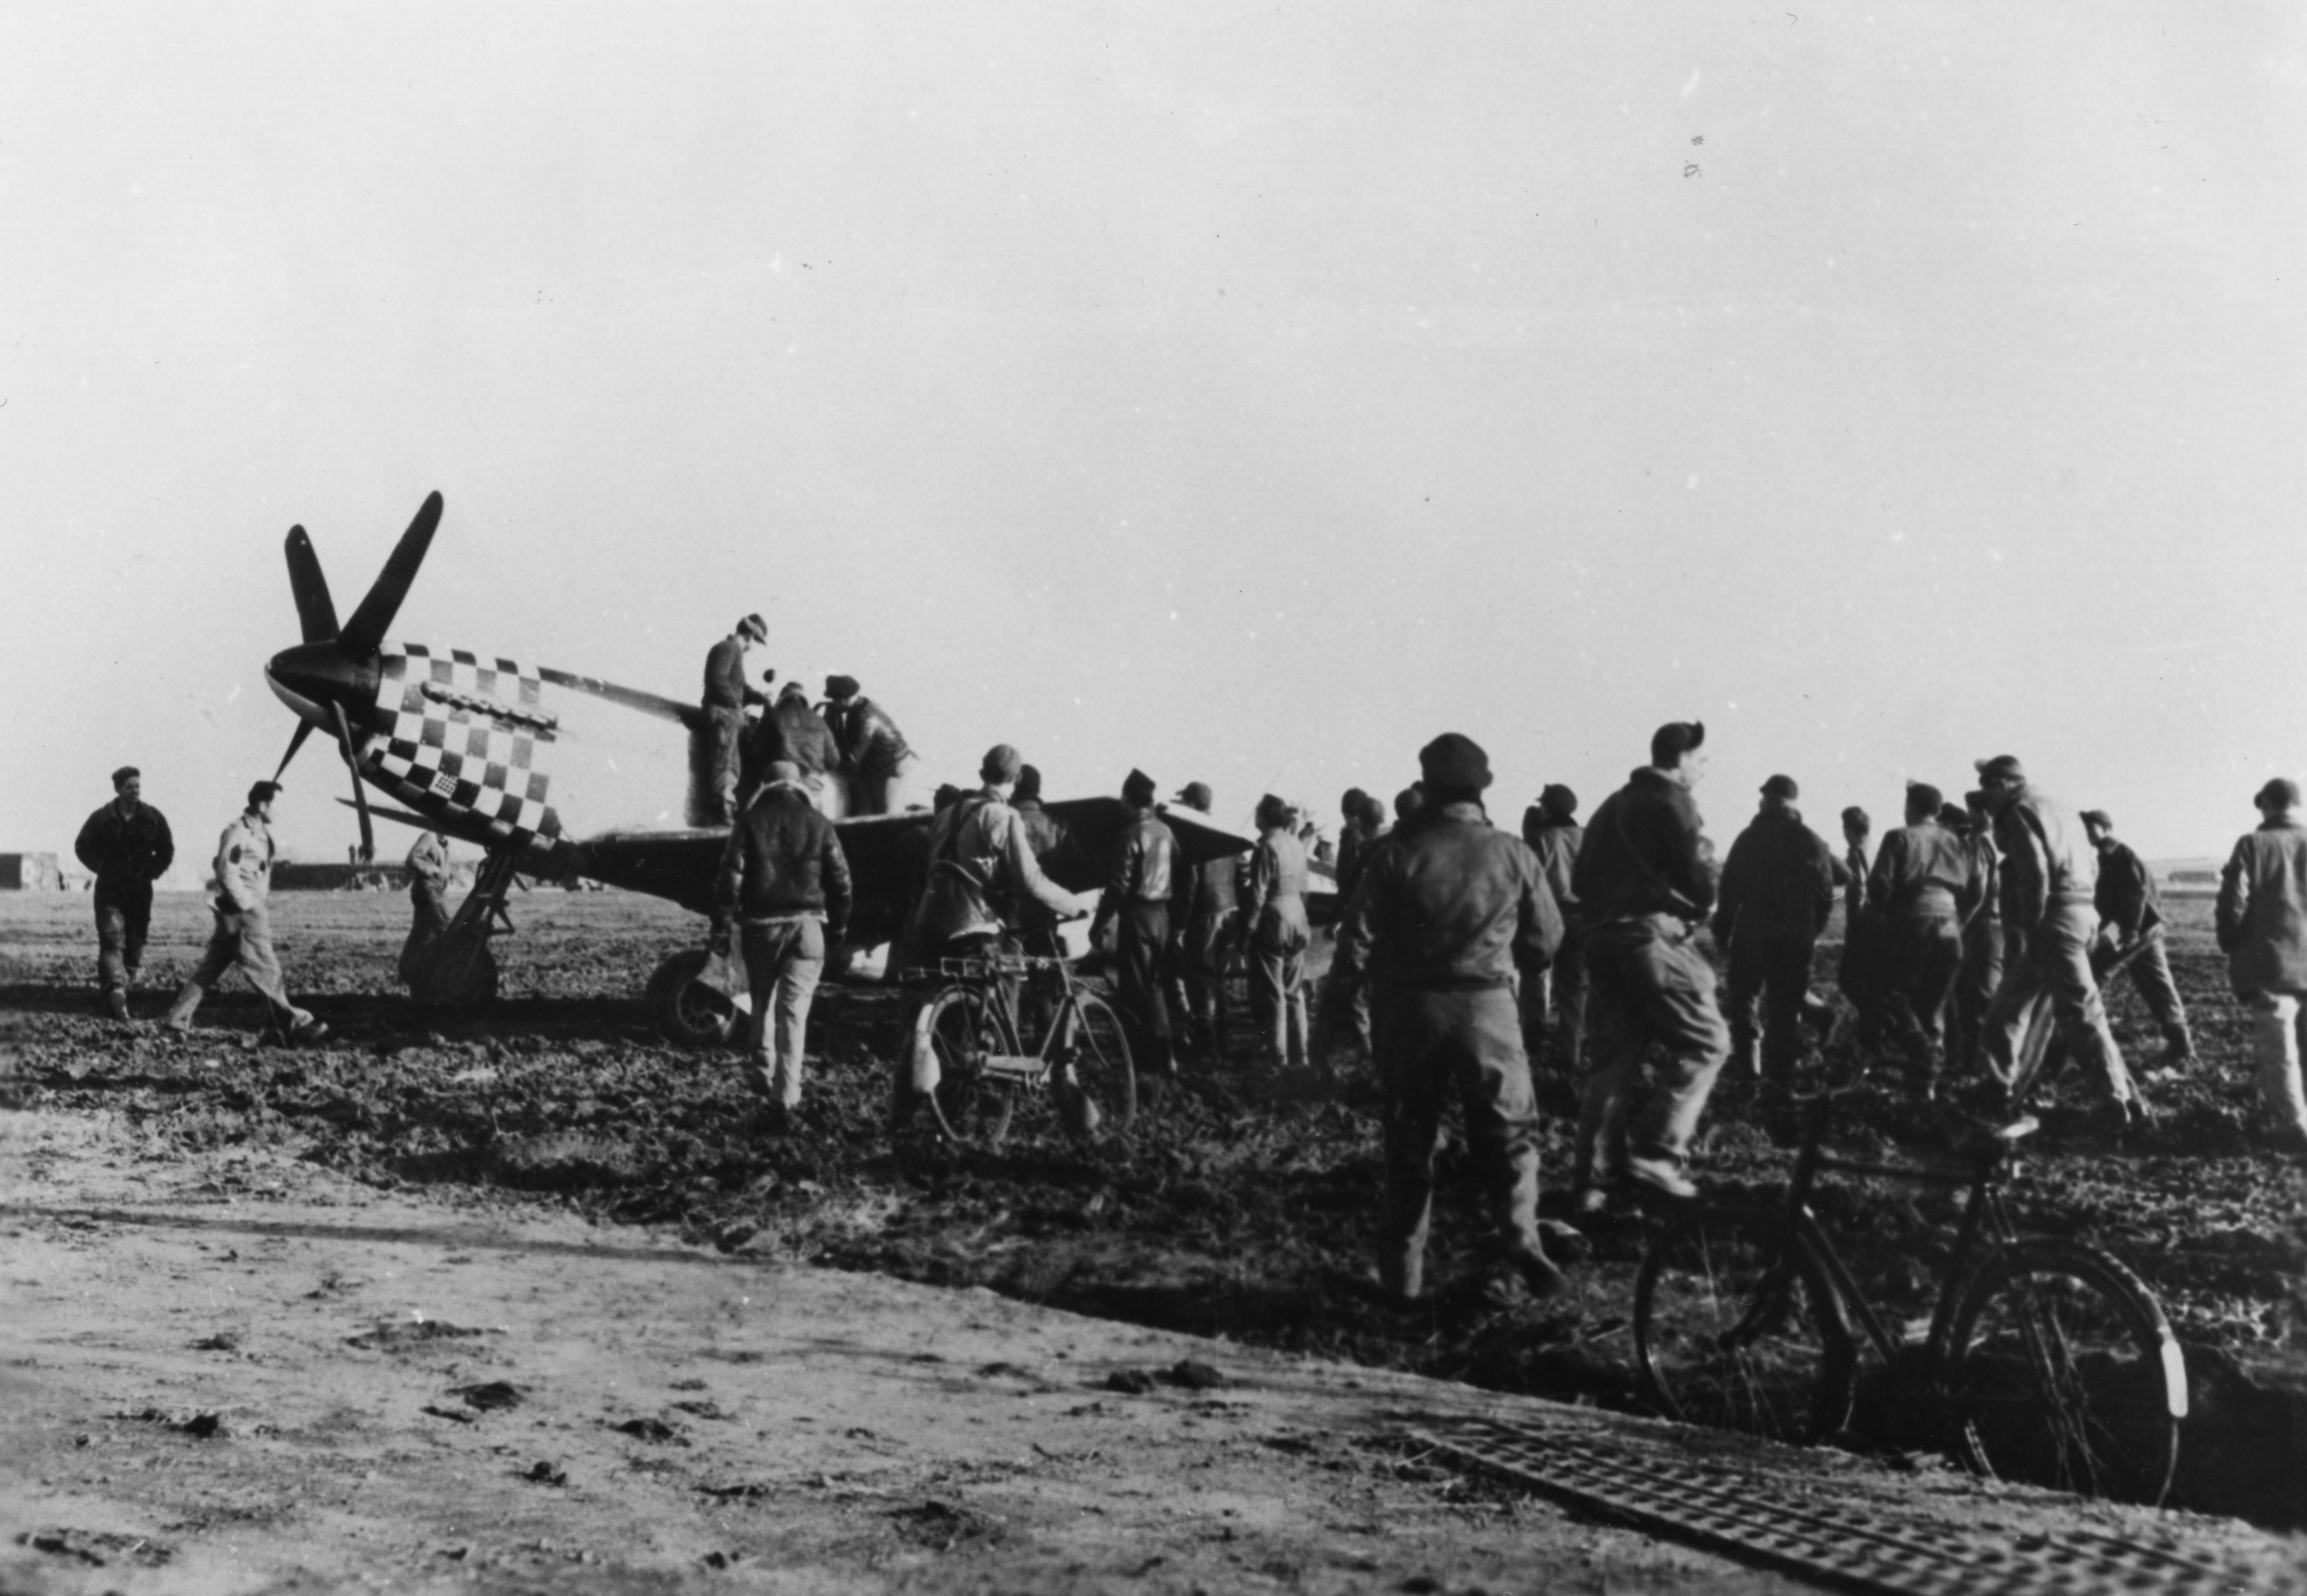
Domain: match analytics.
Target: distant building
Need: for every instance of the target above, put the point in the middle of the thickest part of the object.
(30, 872)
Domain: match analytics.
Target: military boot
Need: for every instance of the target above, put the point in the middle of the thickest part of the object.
(115, 1004)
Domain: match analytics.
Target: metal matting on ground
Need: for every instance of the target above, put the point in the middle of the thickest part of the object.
(1743, 1514)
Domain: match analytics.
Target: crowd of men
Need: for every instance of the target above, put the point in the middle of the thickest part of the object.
(850, 757)
(1979, 938)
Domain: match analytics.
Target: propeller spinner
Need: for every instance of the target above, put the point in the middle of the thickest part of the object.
(331, 677)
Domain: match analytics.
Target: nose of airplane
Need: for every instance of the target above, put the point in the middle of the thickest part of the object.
(310, 676)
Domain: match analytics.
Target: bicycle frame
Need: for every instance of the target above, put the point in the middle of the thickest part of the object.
(1985, 1221)
(998, 980)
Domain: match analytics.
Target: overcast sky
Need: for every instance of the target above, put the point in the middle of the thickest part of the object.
(1248, 394)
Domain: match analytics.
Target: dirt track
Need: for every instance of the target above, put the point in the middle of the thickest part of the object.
(1241, 1209)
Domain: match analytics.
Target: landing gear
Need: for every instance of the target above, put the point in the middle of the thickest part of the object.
(685, 1011)
(459, 971)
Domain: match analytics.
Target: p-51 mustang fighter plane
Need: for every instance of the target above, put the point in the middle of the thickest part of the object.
(505, 755)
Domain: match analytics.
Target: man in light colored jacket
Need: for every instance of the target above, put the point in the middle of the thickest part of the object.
(2049, 923)
(243, 937)
(2262, 926)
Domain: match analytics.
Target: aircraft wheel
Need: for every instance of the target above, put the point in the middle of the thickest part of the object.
(685, 1012)
(457, 977)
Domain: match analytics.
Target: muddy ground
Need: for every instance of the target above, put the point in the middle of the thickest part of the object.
(1238, 1207)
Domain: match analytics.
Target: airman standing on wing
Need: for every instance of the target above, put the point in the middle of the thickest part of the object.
(727, 694)
(243, 937)
(795, 733)
(873, 753)
(127, 847)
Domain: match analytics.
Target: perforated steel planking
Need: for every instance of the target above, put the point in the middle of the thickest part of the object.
(1745, 1514)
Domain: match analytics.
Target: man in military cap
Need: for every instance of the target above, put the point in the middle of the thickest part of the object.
(2049, 921)
(1553, 999)
(873, 752)
(727, 694)
(2130, 929)
(1206, 937)
(1449, 911)
(1776, 895)
(981, 857)
(1646, 879)
(784, 889)
(1148, 876)
(243, 936)
(1923, 886)
(795, 733)
(2262, 929)
(126, 845)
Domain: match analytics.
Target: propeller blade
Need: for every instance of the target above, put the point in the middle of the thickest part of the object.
(381, 603)
(313, 606)
(360, 798)
(303, 730)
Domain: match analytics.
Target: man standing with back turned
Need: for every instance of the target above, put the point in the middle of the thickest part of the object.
(2130, 923)
(1777, 893)
(127, 847)
(1446, 914)
(2262, 921)
(1147, 873)
(1645, 877)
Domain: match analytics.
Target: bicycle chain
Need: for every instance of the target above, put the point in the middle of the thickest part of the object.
(1748, 1516)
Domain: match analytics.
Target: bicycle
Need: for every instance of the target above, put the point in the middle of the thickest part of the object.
(970, 1025)
(2045, 1359)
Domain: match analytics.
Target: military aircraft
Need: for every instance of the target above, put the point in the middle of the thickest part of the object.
(506, 755)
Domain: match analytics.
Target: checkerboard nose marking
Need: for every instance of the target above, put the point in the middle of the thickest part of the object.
(451, 733)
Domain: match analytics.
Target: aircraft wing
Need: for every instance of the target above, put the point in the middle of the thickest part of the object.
(885, 853)
(1096, 826)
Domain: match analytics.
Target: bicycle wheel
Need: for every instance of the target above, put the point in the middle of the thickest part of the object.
(2060, 1370)
(963, 1024)
(1737, 1326)
(1088, 1052)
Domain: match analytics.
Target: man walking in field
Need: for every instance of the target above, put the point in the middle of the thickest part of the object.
(127, 847)
(243, 937)
(1776, 895)
(2049, 923)
(2130, 929)
(1924, 884)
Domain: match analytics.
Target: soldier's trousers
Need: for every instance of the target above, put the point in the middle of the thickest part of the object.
(1771, 963)
(241, 941)
(2278, 1026)
(1974, 987)
(1197, 972)
(1141, 948)
(727, 730)
(123, 915)
(1647, 983)
(1277, 1002)
(784, 957)
(2151, 974)
(2052, 971)
(1554, 1008)
(1430, 1045)
(1916, 961)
